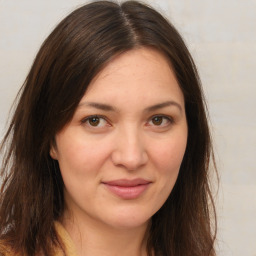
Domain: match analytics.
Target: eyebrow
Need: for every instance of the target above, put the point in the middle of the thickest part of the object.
(163, 105)
(107, 107)
(97, 105)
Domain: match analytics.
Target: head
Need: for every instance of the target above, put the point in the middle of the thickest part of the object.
(70, 59)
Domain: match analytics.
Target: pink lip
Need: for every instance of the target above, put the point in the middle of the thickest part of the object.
(127, 189)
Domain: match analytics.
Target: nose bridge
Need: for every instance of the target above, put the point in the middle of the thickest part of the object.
(130, 148)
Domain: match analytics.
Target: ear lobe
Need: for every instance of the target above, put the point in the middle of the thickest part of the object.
(53, 153)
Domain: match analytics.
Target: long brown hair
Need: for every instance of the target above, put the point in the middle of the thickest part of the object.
(78, 48)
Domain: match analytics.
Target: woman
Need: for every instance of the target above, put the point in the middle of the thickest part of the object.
(109, 147)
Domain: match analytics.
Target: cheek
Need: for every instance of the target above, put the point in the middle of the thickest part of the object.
(80, 166)
(77, 153)
(72, 157)
(168, 158)
(168, 155)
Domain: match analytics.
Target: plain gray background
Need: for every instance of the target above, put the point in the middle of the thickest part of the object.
(221, 35)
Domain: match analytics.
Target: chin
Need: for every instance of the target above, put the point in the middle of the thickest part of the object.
(128, 219)
(130, 224)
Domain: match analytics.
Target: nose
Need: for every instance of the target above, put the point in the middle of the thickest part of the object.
(129, 151)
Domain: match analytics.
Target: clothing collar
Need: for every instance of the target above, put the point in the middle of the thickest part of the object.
(66, 241)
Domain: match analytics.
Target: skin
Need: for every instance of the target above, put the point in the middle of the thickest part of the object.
(140, 132)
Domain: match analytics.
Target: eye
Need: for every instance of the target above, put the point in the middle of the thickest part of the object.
(95, 121)
(160, 120)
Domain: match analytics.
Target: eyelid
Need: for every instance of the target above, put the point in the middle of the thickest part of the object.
(167, 117)
(84, 120)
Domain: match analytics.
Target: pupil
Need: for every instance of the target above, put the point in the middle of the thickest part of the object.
(94, 121)
(157, 120)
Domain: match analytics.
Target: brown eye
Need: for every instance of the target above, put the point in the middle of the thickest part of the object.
(160, 121)
(94, 121)
(157, 120)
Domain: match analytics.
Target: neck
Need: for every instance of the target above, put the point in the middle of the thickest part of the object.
(91, 237)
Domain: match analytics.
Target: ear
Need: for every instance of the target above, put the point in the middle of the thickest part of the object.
(53, 152)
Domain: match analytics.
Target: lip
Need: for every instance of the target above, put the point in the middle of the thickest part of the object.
(127, 189)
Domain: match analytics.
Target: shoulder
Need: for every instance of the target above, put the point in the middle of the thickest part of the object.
(5, 250)
(66, 241)
(66, 244)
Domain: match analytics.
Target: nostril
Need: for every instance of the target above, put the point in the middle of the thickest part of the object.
(131, 160)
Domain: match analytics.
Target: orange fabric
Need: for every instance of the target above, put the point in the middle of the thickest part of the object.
(64, 236)
(67, 241)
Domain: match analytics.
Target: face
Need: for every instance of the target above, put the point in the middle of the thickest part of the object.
(120, 154)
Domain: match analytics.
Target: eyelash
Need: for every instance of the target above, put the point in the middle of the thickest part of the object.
(87, 119)
(164, 117)
(99, 117)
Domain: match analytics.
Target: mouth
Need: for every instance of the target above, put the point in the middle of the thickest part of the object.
(127, 189)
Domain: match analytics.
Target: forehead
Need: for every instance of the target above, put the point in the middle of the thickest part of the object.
(142, 74)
